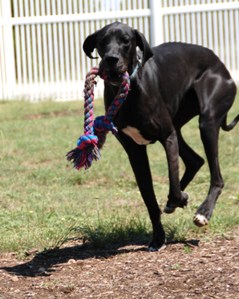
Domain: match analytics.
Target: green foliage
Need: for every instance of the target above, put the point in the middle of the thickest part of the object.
(44, 202)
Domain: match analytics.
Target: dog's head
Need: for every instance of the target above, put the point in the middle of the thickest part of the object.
(116, 44)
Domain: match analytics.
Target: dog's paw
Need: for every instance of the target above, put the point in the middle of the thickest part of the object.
(170, 208)
(200, 220)
(184, 200)
(153, 247)
(172, 205)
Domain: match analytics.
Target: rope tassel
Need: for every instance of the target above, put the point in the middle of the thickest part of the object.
(89, 144)
(85, 152)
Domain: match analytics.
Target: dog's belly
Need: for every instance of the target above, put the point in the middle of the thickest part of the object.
(135, 135)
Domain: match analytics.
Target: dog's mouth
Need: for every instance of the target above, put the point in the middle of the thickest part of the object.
(112, 75)
(115, 77)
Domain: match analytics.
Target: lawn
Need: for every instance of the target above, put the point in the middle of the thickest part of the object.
(44, 202)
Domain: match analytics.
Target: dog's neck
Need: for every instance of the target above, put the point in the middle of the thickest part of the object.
(135, 70)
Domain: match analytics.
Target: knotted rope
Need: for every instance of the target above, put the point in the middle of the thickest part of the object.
(89, 144)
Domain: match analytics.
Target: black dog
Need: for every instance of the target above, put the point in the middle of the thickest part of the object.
(170, 85)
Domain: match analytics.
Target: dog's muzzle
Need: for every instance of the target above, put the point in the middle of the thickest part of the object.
(112, 69)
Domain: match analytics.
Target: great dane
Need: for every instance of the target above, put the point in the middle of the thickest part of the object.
(170, 84)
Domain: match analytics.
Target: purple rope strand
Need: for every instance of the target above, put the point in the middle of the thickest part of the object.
(89, 100)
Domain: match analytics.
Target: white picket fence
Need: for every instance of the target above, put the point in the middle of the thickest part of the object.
(41, 53)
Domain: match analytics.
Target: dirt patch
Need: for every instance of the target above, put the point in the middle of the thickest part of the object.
(181, 271)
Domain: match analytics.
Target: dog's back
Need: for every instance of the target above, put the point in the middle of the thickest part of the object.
(182, 63)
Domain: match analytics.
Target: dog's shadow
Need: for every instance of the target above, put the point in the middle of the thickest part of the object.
(46, 262)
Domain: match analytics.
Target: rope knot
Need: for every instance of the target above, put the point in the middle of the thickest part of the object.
(101, 123)
(86, 140)
(95, 131)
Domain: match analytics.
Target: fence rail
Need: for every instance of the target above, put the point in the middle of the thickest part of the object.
(41, 53)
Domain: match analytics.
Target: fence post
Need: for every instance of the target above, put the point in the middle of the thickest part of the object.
(156, 22)
(8, 49)
(2, 58)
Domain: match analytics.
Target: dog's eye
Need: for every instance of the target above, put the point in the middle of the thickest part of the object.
(125, 41)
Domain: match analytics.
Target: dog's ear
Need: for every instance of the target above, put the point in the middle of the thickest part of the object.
(90, 44)
(144, 46)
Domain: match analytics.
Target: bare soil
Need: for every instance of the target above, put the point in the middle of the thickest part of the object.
(182, 270)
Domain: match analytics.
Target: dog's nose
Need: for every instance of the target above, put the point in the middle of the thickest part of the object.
(112, 59)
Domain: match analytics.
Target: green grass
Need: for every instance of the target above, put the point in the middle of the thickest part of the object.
(44, 201)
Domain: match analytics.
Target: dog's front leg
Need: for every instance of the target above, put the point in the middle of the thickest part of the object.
(139, 162)
(176, 197)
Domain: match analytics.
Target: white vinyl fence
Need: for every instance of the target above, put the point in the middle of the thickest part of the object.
(41, 41)
(210, 23)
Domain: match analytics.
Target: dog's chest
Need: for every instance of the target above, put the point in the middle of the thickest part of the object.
(135, 134)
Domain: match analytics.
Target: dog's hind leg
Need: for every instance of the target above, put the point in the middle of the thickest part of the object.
(139, 162)
(215, 103)
(209, 134)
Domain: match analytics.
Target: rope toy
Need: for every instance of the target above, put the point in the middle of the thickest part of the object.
(95, 131)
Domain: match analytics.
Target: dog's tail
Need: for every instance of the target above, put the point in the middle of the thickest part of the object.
(229, 127)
